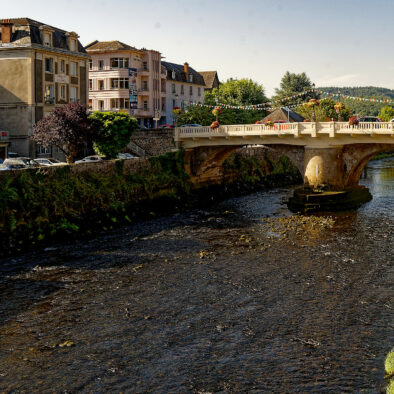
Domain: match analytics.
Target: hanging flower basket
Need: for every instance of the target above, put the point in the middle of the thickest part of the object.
(353, 121)
(339, 106)
(215, 125)
(177, 110)
(269, 123)
(216, 111)
(313, 103)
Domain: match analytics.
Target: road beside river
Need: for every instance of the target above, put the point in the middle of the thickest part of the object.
(241, 297)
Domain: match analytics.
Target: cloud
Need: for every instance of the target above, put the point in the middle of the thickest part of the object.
(345, 79)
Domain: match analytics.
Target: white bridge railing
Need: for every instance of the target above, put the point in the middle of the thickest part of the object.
(312, 129)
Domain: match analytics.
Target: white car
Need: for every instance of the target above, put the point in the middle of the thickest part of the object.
(90, 159)
(126, 155)
(48, 161)
(392, 120)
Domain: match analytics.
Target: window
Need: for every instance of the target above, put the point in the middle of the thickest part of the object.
(119, 62)
(191, 90)
(173, 74)
(145, 85)
(101, 64)
(62, 92)
(47, 39)
(173, 103)
(145, 105)
(101, 84)
(42, 151)
(190, 77)
(49, 94)
(90, 84)
(73, 45)
(73, 94)
(173, 88)
(101, 105)
(119, 83)
(74, 69)
(145, 66)
(199, 91)
(48, 64)
(120, 103)
(90, 64)
(90, 105)
(182, 89)
(62, 66)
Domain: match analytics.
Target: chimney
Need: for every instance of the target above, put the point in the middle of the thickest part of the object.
(6, 30)
(186, 69)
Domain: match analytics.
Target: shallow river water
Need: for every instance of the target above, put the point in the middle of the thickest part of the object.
(240, 297)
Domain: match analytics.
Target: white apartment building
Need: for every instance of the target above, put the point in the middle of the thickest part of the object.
(184, 85)
(124, 78)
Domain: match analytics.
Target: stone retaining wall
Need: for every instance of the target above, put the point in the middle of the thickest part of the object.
(154, 142)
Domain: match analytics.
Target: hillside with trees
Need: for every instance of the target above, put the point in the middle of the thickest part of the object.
(362, 108)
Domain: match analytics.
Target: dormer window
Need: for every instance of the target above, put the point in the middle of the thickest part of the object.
(46, 35)
(190, 77)
(173, 74)
(47, 40)
(72, 40)
(73, 45)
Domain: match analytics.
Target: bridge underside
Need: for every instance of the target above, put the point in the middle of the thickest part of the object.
(329, 167)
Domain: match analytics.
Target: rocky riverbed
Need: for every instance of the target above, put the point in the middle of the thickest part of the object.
(240, 297)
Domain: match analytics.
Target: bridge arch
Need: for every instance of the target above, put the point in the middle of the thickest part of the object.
(355, 158)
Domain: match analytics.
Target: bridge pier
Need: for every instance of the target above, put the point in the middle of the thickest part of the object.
(324, 168)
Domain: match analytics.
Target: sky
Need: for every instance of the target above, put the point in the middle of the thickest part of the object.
(335, 42)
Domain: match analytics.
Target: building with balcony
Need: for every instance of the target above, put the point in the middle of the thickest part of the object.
(184, 86)
(41, 67)
(124, 78)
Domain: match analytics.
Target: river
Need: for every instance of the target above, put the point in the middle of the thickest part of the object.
(240, 297)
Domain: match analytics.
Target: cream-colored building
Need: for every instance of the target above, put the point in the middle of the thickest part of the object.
(184, 86)
(127, 79)
(41, 67)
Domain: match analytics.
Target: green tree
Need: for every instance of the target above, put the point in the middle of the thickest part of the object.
(112, 132)
(203, 116)
(237, 92)
(324, 111)
(293, 84)
(386, 113)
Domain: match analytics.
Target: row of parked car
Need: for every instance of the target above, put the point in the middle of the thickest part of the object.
(18, 163)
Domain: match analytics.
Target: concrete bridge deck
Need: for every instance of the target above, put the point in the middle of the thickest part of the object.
(307, 134)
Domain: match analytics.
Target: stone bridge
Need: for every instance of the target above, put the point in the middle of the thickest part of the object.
(329, 155)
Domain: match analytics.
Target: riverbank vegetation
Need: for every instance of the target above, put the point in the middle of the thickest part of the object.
(38, 205)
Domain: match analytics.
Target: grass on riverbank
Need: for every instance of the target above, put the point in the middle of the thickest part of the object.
(37, 206)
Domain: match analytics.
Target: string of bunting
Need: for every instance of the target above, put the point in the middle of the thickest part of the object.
(269, 105)
(338, 94)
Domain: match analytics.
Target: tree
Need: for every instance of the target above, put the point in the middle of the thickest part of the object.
(386, 113)
(326, 110)
(294, 84)
(237, 92)
(112, 132)
(68, 128)
(203, 115)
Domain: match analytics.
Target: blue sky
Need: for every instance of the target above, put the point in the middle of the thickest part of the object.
(336, 42)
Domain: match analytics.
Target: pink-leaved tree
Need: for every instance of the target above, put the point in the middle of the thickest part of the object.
(68, 128)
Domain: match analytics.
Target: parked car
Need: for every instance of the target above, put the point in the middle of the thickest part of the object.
(12, 164)
(90, 159)
(27, 161)
(392, 120)
(125, 155)
(143, 128)
(369, 119)
(167, 126)
(191, 125)
(49, 161)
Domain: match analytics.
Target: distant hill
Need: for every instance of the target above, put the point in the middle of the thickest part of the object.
(362, 107)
